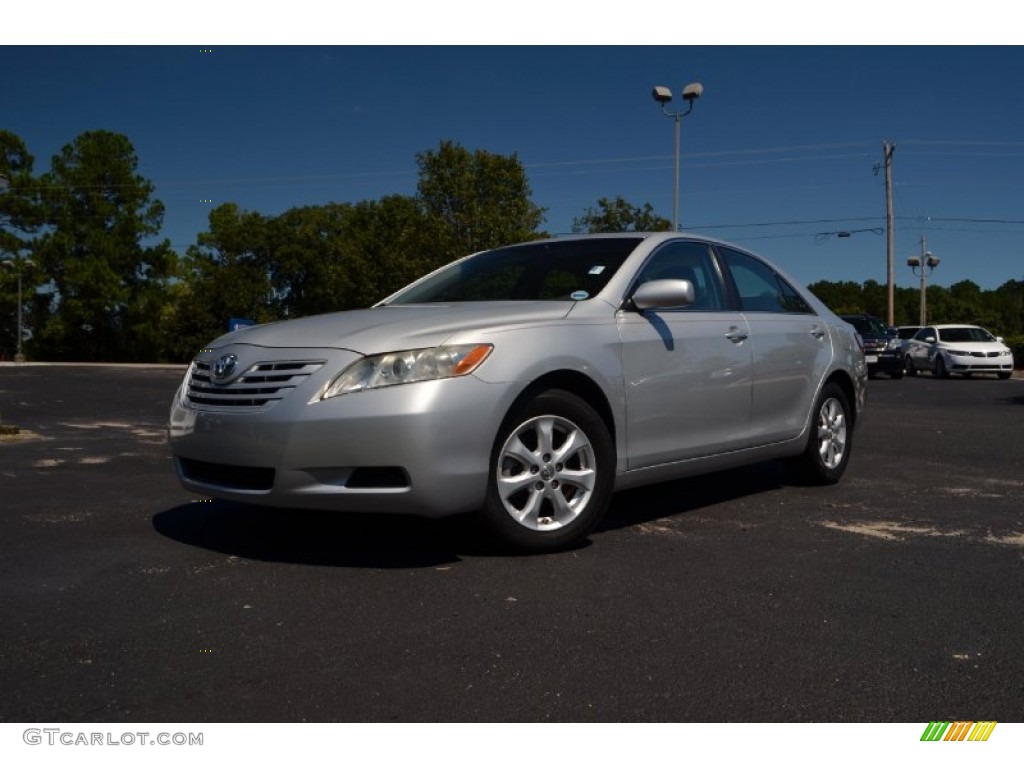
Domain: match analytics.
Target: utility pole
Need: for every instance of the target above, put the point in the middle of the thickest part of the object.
(888, 148)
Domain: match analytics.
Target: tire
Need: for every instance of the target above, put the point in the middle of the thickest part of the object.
(830, 440)
(1003, 375)
(940, 368)
(896, 375)
(908, 366)
(552, 473)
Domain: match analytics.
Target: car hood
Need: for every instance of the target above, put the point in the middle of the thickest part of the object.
(974, 346)
(396, 327)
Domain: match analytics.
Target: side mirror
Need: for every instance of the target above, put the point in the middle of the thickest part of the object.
(930, 339)
(999, 339)
(663, 294)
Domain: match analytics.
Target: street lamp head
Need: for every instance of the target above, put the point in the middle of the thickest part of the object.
(913, 261)
(692, 91)
(661, 94)
(932, 261)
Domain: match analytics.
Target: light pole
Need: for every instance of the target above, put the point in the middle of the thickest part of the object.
(663, 96)
(19, 264)
(927, 263)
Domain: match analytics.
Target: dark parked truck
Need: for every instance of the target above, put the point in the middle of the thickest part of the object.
(882, 347)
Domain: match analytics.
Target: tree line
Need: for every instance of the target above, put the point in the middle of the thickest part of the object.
(1001, 310)
(94, 290)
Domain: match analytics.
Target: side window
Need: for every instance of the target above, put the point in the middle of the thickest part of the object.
(687, 261)
(759, 288)
(793, 301)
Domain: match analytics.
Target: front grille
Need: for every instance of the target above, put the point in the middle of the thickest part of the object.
(261, 385)
(228, 475)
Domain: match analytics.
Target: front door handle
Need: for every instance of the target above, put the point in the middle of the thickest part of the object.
(817, 332)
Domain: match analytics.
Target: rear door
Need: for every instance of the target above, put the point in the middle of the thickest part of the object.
(790, 345)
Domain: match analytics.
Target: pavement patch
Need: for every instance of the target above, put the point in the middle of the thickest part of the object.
(888, 531)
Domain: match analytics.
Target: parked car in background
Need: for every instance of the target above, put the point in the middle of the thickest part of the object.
(962, 349)
(906, 333)
(527, 383)
(881, 345)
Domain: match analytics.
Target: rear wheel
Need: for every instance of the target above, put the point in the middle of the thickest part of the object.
(552, 474)
(828, 446)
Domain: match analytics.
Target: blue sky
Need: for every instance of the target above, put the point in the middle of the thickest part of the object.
(782, 134)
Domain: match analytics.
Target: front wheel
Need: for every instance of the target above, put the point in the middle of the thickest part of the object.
(940, 368)
(552, 474)
(908, 366)
(828, 446)
(1003, 375)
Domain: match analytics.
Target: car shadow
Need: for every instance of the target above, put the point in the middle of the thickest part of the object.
(677, 497)
(310, 537)
(387, 541)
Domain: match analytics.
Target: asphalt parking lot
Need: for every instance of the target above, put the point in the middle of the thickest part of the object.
(894, 596)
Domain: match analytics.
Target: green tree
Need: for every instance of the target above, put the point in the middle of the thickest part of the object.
(619, 215)
(97, 212)
(19, 217)
(477, 199)
(843, 298)
(1009, 302)
(226, 274)
(345, 256)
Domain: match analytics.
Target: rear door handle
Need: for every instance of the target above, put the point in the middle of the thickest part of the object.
(736, 336)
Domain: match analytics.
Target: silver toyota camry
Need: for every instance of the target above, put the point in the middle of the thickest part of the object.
(528, 383)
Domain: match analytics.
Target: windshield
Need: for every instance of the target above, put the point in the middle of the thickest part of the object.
(908, 331)
(964, 334)
(551, 270)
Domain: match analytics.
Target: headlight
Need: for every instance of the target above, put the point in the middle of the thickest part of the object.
(958, 353)
(894, 344)
(408, 366)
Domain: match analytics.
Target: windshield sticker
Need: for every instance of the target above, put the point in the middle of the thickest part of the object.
(579, 295)
(596, 270)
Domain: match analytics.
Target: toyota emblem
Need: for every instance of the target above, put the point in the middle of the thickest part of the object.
(224, 367)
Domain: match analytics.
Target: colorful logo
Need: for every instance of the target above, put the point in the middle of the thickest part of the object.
(958, 731)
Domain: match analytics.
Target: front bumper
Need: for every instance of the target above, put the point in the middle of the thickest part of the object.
(420, 448)
(979, 363)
